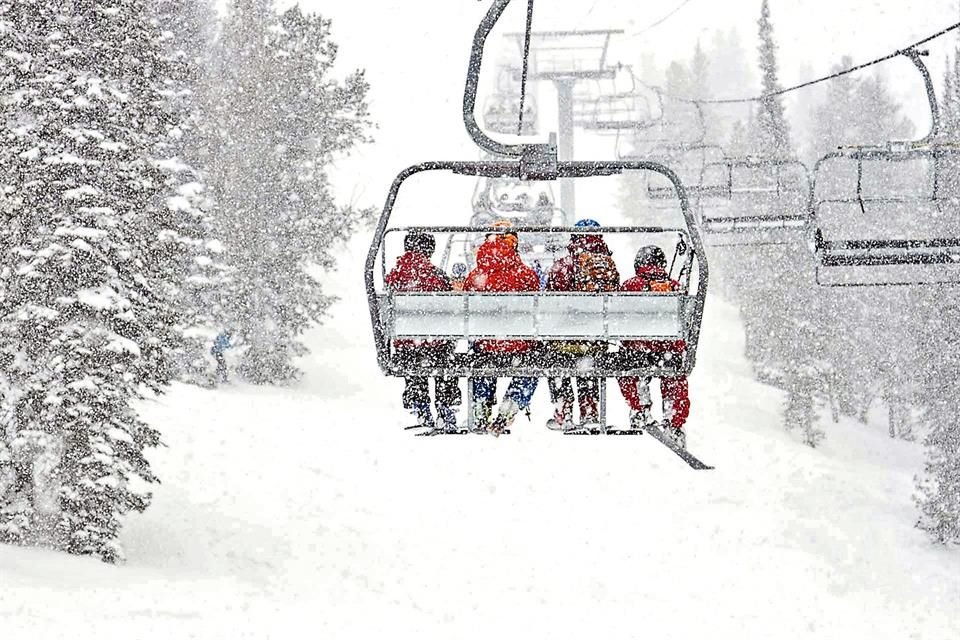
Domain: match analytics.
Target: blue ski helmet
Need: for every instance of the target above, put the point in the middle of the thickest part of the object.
(587, 222)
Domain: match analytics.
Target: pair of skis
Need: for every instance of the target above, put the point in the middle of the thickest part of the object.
(460, 431)
(653, 429)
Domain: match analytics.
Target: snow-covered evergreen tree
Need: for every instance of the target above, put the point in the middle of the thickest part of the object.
(699, 74)
(950, 104)
(773, 133)
(282, 116)
(939, 486)
(89, 245)
(856, 111)
(187, 29)
(729, 68)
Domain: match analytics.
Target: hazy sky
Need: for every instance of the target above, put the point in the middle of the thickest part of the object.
(415, 54)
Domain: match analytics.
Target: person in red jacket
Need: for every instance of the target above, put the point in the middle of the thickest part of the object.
(587, 267)
(415, 272)
(650, 265)
(499, 268)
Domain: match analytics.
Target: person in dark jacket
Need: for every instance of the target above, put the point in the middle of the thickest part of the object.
(651, 269)
(415, 272)
(499, 268)
(588, 267)
(220, 344)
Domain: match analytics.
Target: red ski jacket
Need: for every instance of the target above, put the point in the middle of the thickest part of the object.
(561, 274)
(647, 279)
(499, 268)
(415, 272)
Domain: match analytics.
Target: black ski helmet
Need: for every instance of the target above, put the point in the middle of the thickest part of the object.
(650, 256)
(419, 242)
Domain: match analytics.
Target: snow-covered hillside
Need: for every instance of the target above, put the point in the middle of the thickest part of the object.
(308, 512)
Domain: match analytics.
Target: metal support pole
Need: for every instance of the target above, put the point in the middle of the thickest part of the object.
(565, 147)
(603, 405)
(471, 424)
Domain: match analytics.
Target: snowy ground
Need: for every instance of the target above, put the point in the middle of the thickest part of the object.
(307, 512)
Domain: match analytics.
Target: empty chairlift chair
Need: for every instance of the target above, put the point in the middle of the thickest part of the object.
(754, 201)
(501, 114)
(886, 216)
(690, 162)
(622, 104)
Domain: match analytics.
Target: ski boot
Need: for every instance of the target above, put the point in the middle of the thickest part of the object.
(423, 416)
(590, 414)
(508, 411)
(481, 416)
(562, 416)
(447, 419)
(639, 419)
(676, 434)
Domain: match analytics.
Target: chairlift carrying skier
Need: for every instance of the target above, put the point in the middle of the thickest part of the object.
(650, 265)
(415, 272)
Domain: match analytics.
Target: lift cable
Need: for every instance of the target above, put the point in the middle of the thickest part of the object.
(832, 76)
(526, 60)
(659, 22)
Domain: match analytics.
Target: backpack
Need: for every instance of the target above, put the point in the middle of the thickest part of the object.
(594, 272)
(660, 286)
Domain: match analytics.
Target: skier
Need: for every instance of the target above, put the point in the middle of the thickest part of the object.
(499, 268)
(588, 267)
(415, 272)
(220, 344)
(650, 265)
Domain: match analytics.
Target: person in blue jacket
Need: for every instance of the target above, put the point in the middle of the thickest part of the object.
(220, 344)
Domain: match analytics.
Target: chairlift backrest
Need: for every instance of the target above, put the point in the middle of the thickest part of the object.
(690, 162)
(501, 114)
(884, 216)
(764, 201)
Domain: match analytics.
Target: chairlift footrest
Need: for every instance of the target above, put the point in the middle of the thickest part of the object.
(458, 432)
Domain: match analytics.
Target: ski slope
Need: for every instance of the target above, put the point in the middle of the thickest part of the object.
(308, 512)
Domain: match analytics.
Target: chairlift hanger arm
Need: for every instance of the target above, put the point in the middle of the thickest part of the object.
(916, 57)
(538, 160)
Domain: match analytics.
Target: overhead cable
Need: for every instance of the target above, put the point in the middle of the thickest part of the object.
(832, 76)
(659, 22)
(528, 33)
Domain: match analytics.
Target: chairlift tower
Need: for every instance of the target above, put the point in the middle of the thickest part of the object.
(566, 58)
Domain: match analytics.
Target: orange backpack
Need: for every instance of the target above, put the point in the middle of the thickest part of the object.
(660, 286)
(594, 272)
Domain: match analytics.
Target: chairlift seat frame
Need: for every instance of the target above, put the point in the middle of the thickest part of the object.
(787, 222)
(685, 308)
(902, 261)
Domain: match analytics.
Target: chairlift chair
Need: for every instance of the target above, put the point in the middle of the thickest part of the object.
(618, 102)
(887, 216)
(501, 114)
(508, 196)
(754, 201)
(542, 316)
(674, 122)
(689, 161)
(619, 112)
